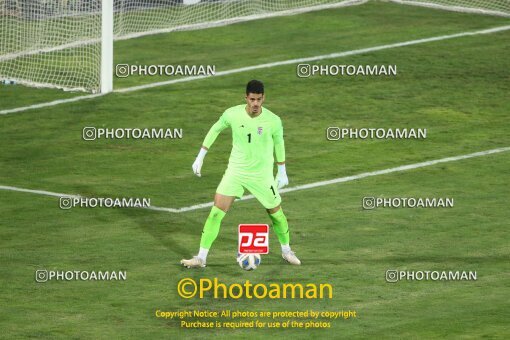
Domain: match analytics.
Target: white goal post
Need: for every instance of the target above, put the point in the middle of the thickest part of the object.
(68, 44)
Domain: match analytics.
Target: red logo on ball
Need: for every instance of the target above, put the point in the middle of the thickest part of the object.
(253, 239)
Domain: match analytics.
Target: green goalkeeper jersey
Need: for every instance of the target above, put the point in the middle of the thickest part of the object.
(253, 140)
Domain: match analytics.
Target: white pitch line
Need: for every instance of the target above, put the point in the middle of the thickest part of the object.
(267, 65)
(299, 187)
(58, 194)
(53, 103)
(396, 169)
(40, 192)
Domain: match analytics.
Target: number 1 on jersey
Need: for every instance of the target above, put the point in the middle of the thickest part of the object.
(249, 138)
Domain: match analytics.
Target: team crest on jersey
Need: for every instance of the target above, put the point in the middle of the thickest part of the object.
(259, 130)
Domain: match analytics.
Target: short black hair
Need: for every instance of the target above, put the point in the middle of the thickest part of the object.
(254, 86)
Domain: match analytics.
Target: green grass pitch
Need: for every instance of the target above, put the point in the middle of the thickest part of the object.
(457, 89)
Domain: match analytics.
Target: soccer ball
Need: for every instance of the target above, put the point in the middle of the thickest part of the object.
(248, 261)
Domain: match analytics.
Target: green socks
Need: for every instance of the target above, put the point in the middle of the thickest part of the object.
(280, 226)
(213, 222)
(211, 227)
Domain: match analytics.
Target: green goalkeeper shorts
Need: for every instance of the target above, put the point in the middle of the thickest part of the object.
(264, 188)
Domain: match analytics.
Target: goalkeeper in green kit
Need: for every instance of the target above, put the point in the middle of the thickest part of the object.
(256, 134)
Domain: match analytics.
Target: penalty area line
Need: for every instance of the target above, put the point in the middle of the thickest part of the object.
(296, 188)
(263, 66)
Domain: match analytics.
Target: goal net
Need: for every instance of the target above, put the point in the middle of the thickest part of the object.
(57, 43)
(490, 7)
(50, 43)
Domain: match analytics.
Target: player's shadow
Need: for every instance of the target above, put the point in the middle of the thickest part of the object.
(179, 234)
(165, 227)
(170, 229)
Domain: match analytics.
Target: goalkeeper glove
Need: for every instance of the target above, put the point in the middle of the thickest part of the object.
(197, 165)
(281, 177)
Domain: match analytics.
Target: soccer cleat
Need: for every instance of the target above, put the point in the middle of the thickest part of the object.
(195, 262)
(291, 258)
